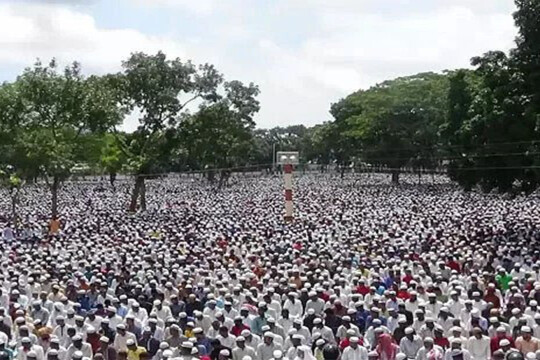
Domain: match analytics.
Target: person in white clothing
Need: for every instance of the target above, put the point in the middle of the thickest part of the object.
(27, 348)
(241, 350)
(79, 345)
(456, 351)
(354, 351)
(479, 345)
(121, 338)
(410, 344)
(293, 305)
(225, 338)
(430, 351)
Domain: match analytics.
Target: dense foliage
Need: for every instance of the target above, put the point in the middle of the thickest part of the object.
(483, 125)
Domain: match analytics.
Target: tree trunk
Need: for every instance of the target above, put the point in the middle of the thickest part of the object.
(112, 178)
(135, 194)
(143, 194)
(395, 177)
(54, 192)
(221, 179)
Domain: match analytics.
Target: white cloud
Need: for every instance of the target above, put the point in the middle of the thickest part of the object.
(31, 31)
(199, 7)
(356, 49)
(304, 54)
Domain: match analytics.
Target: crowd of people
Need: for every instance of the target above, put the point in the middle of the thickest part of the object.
(366, 271)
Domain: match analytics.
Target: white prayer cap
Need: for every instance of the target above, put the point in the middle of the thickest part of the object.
(401, 356)
(167, 353)
(187, 344)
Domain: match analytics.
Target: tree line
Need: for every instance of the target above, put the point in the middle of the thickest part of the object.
(481, 124)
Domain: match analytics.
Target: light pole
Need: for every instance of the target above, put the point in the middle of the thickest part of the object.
(287, 159)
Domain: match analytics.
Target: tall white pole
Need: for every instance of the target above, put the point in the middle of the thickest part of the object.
(287, 176)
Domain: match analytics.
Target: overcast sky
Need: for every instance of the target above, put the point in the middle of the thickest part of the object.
(304, 54)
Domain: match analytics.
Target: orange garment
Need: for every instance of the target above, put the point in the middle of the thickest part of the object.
(54, 226)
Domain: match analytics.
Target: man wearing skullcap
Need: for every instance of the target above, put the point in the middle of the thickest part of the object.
(501, 334)
(241, 350)
(410, 344)
(479, 345)
(27, 347)
(293, 305)
(265, 350)
(345, 327)
(134, 352)
(225, 338)
(430, 351)
(324, 331)
(458, 333)
(78, 345)
(315, 303)
(252, 340)
(526, 343)
(456, 351)
(122, 337)
(54, 345)
(39, 312)
(354, 351)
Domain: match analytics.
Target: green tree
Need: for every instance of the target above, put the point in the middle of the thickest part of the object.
(160, 89)
(340, 133)
(527, 52)
(12, 182)
(112, 158)
(220, 135)
(452, 137)
(59, 108)
(497, 134)
(393, 124)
